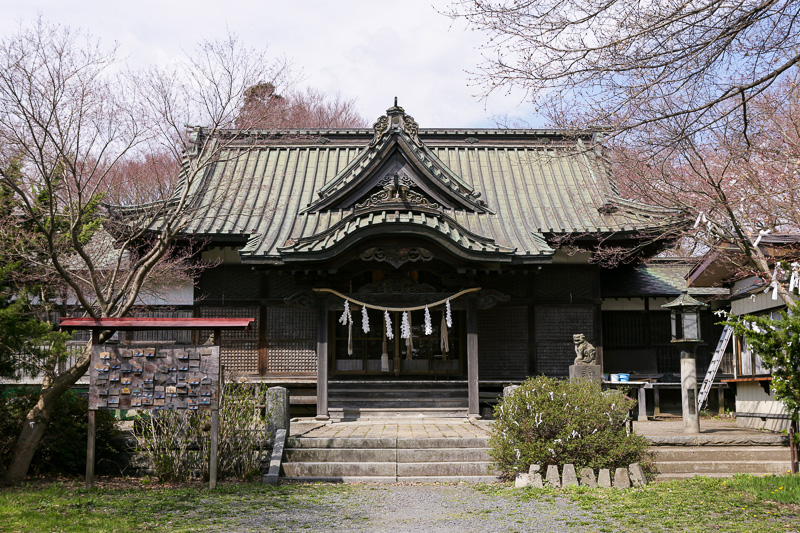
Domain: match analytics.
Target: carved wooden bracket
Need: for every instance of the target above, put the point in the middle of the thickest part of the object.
(396, 189)
(396, 257)
(305, 299)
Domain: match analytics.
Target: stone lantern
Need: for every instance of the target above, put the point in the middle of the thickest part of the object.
(685, 322)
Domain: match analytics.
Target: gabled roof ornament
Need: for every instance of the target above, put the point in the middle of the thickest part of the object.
(396, 119)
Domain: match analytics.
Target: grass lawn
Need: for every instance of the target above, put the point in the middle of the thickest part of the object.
(743, 503)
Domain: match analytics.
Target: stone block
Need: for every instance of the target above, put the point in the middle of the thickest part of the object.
(568, 476)
(522, 480)
(621, 478)
(587, 478)
(552, 477)
(593, 372)
(277, 409)
(535, 476)
(604, 478)
(638, 479)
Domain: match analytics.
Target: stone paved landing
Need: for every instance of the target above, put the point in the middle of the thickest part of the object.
(400, 429)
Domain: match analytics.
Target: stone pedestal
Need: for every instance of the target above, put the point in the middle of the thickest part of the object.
(586, 372)
(691, 419)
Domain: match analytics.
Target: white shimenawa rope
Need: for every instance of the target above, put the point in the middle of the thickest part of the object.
(398, 309)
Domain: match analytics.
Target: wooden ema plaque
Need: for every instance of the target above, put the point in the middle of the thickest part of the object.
(153, 378)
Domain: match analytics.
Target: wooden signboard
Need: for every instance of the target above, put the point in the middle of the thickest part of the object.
(154, 378)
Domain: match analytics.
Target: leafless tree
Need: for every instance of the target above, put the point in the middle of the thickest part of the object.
(695, 99)
(71, 125)
(265, 108)
(733, 189)
(630, 65)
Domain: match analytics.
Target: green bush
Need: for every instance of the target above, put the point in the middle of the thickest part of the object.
(63, 447)
(547, 421)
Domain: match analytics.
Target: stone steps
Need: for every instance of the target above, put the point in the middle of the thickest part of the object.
(383, 460)
(410, 413)
(681, 462)
(357, 400)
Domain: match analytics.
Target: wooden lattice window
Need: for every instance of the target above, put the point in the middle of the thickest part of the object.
(238, 349)
(291, 340)
(503, 343)
(555, 326)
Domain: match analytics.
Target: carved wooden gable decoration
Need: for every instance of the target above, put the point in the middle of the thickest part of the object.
(396, 185)
(398, 172)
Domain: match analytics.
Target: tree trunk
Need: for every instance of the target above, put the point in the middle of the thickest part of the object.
(37, 419)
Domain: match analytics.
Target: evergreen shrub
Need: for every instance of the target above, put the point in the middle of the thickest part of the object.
(63, 446)
(547, 421)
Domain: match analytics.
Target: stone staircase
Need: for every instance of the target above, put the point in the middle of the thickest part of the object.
(387, 460)
(365, 400)
(718, 458)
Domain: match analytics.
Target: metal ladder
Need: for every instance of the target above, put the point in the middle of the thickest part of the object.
(714, 366)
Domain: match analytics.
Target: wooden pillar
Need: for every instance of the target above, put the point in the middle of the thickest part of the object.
(91, 428)
(322, 358)
(472, 356)
(213, 460)
(90, 459)
(656, 403)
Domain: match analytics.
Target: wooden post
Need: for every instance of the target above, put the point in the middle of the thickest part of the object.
(91, 428)
(472, 356)
(322, 359)
(213, 461)
(656, 403)
(792, 448)
(90, 440)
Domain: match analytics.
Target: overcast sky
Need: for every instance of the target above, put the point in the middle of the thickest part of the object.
(370, 50)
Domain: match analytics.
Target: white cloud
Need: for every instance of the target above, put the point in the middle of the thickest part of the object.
(371, 50)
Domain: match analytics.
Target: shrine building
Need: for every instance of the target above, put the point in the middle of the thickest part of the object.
(473, 252)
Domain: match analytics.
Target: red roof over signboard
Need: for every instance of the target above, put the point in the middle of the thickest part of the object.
(131, 323)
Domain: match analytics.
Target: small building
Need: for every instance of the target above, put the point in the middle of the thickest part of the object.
(756, 406)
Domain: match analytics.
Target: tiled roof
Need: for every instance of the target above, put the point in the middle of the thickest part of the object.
(652, 279)
(495, 192)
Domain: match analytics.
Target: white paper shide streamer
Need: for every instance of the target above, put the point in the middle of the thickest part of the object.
(794, 281)
(388, 320)
(405, 326)
(347, 320)
(346, 316)
(774, 285)
(449, 315)
(364, 320)
(762, 233)
(428, 325)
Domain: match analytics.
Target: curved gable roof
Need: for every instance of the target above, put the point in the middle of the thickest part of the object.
(488, 194)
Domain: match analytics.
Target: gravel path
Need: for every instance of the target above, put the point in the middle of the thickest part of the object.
(404, 508)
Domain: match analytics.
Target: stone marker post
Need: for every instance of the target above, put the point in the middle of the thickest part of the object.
(277, 409)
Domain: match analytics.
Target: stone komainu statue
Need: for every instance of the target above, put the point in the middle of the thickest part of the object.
(585, 352)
